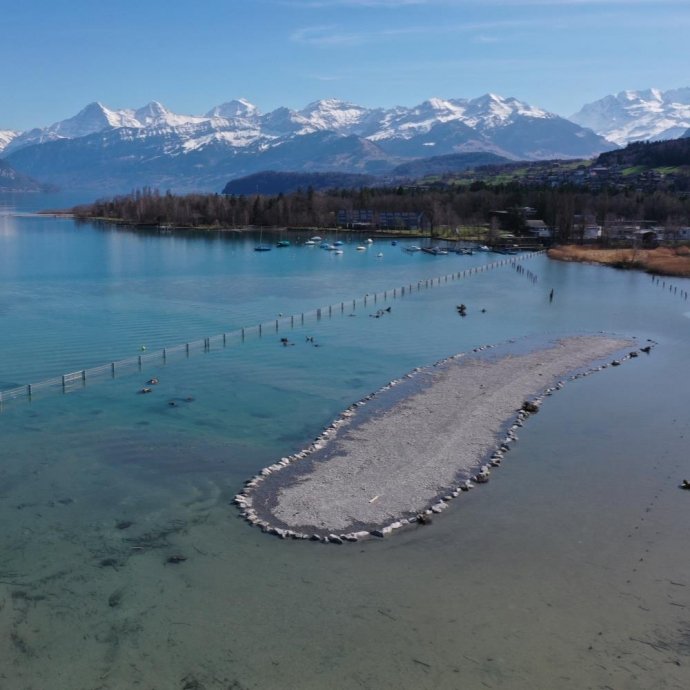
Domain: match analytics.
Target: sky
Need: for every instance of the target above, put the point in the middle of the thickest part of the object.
(560, 54)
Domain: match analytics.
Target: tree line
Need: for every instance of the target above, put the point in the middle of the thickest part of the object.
(443, 207)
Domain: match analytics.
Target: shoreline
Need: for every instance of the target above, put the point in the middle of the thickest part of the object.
(367, 477)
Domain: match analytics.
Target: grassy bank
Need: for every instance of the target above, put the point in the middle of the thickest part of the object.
(667, 261)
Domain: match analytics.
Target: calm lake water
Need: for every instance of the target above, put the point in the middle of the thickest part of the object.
(570, 569)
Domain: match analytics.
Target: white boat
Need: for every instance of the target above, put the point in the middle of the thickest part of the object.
(361, 248)
(370, 241)
(380, 255)
(316, 238)
(413, 248)
(311, 243)
(337, 251)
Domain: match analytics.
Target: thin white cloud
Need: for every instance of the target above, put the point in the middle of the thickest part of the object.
(332, 35)
(326, 36)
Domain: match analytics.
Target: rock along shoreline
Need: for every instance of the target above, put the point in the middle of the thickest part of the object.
(369, 476)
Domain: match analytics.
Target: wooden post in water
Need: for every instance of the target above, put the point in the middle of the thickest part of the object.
(139, 362)
(165, 355)
(292, 321)
(187, 349)
(276, 325)
(63, 385)
(112, 369)
(259, 330)
(83, 375)
(28, 391)
(242, 334)
(330, 313)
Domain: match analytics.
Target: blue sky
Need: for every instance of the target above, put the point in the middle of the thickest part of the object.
(58, 56)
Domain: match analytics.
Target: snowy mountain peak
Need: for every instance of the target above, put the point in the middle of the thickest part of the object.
(649, 114)
(6, 136)
(330, 114)
(442, 106)
(232, 110)
(93, 118)
(151, 113)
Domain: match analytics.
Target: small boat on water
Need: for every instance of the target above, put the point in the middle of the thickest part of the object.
(310, 243)
(261, 247)
(370, 241)
(283, 243)
(412, 249)
(483, 248)
(337, 243)
(315, 239)
(361, 248)
(435, 251)
(338, 251)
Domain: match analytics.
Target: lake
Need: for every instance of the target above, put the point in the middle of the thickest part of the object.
(568, 570)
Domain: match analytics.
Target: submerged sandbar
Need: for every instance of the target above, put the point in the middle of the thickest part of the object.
(366, 475)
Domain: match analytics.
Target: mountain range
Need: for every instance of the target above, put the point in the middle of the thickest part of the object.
(649, 115)
(115, 150)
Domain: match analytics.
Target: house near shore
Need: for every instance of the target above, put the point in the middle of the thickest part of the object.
(591, 233)
(385, 220)
(640, 233)
(538, 228)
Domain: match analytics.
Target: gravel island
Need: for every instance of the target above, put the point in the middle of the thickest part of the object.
(431, 435)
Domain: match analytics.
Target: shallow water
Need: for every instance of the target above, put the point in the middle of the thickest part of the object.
(569, 569)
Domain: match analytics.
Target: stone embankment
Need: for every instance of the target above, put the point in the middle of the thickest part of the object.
(434, 434)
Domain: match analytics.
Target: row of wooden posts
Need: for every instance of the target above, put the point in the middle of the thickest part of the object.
(67, 381)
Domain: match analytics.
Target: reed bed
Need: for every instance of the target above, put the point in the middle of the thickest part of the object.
(668, 261)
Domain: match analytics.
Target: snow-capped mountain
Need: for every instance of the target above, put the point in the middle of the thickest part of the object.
(152, 145)
(232, 110)
(647, 115)
(6, 136)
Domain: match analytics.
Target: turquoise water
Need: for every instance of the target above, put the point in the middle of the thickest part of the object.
(568, 570)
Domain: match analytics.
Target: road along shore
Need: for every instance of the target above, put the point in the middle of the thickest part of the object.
(403, 453)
